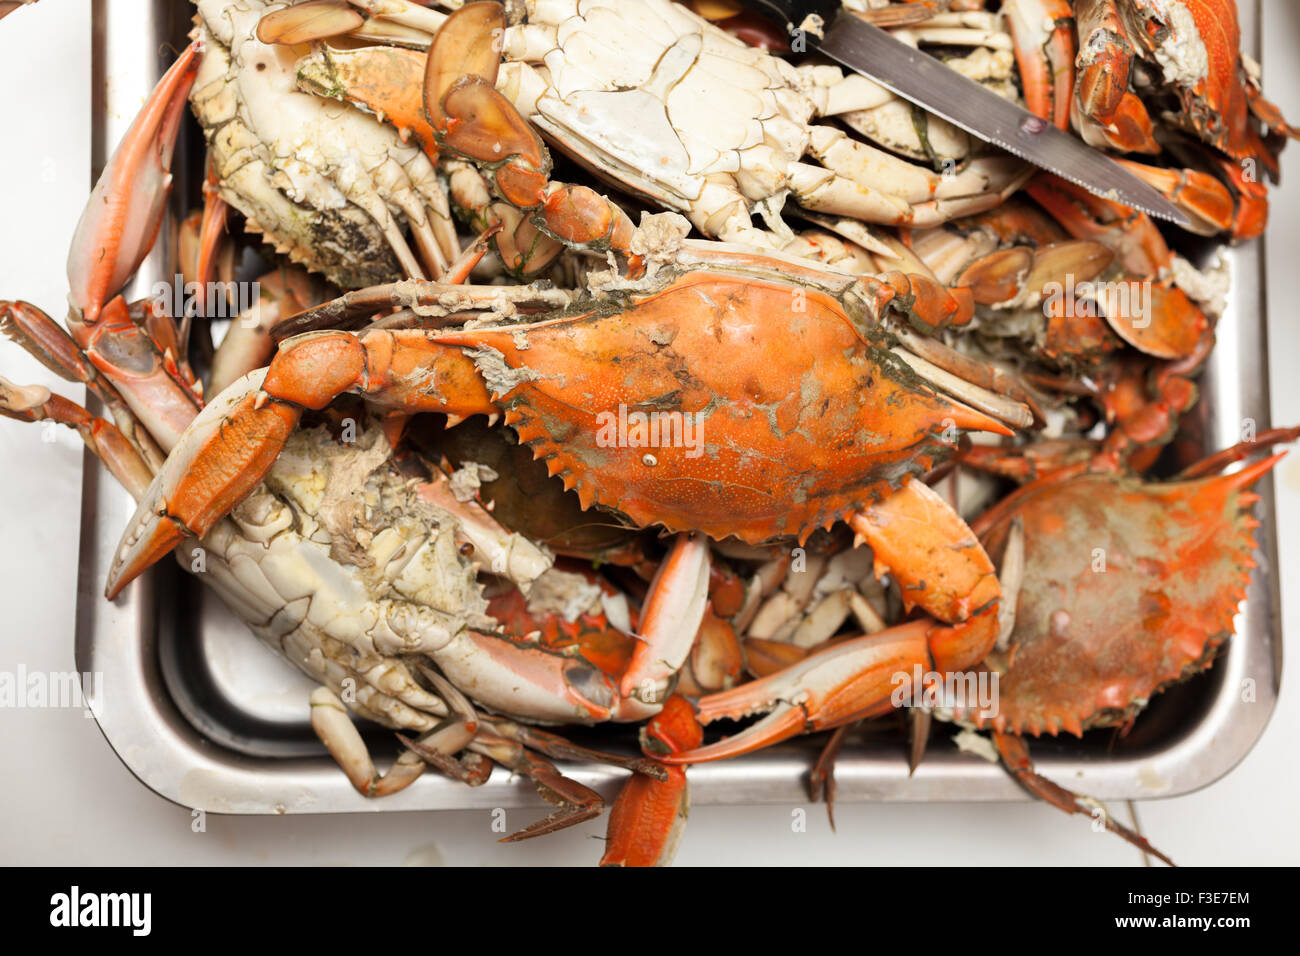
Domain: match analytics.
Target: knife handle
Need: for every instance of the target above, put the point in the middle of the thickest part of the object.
(792, 13)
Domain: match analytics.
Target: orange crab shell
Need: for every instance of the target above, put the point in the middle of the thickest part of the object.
(820, 421)
(1128, 587)
(1216, 105)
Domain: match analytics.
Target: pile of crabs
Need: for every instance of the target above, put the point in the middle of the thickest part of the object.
(615, 363)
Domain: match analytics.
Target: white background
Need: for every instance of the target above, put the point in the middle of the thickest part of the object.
(67, 799)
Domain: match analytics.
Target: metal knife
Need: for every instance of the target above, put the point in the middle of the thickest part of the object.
(925, 81)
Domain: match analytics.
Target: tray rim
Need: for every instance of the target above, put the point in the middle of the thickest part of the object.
(170, 756)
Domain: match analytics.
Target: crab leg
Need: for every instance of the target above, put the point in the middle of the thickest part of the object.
(1207, 202)
(821, 779)
(646, 821)
(150, 381)
(940, 567)
(437, 304)
(54, 348)
(553, 745)
(575, 803)
(670, 620)
(471, 769)
(212, 229)
(1222, 459)
(846, 682)
(1015, 756)
(1043, 34)
(330, 721)
(34, 403)
(854, 172)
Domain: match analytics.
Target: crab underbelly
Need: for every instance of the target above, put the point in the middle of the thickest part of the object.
(274, 160)
(341, 243)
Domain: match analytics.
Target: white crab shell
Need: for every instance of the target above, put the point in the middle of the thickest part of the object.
(329, 186)
(339, 565)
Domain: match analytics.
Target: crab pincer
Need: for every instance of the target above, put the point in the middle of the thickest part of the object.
(845, 682)
(122, 218)
(116, 231)
(646, 821)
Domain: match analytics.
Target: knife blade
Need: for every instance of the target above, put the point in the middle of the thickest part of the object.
(925, 81)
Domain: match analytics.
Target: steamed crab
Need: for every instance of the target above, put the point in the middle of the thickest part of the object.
(276, 528)
(332, 188)
(1158, 77)
(650, 69)
(838, 429)
(764, 475)
(1122, 587)
(355, 571)
(819, 400)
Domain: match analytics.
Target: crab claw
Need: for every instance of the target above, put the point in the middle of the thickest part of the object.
(844, 682)
(646, 821)
(518, 678)
(195, 487)
(1042, 32)
(939, 565)
(1105, 111)
(1207, 203)
(674, 610)
(121, 220)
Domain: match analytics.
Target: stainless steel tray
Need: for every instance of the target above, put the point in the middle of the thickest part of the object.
(207, 717)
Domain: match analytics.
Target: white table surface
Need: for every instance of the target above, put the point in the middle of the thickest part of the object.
(68, 800)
